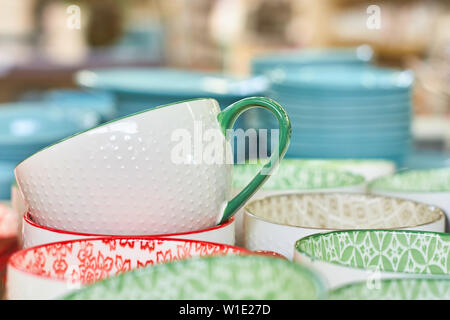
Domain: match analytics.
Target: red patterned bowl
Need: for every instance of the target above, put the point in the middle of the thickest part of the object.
(34, 234)
(50, 271)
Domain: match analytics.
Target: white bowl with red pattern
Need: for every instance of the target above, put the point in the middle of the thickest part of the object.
(50, 271)
(34, 234)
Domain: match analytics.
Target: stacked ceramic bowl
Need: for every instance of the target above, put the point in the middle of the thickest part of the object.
(26, 127)
(347, 111)
(127, 195)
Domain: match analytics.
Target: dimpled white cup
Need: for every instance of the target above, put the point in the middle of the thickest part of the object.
(135, 175)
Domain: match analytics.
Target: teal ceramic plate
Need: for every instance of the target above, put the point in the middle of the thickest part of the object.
(182, 84)
(225, 278)
(394, 289)
(358, 79)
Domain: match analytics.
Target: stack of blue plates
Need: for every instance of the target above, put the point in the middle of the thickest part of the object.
(100, 102)
(337, 111)
(27, 127)
(139, 89)
(276, 62)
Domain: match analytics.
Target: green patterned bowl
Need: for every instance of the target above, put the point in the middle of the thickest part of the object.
(394, 289)
(427, 186)
(344, 257)
(368, 168)
(237, 277)
(291, 177)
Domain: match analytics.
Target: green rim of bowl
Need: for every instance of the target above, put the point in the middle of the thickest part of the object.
(414, 181)
(293, 175)
(241, 277)
(420, 288)
(402, 251)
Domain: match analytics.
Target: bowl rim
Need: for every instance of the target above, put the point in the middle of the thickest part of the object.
(388, 281)
(27, 218)
(335, 263)
(318, 281)
(14, 264)
(441, 213)
(357, 179)
(374, 185)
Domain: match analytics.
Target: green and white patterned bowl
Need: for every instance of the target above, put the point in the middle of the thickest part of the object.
(344, 257)
(291, 177)
(237, 277)
(394, 289)
(427, 186)
(368, 168)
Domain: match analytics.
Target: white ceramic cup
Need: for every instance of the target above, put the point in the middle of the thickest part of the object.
(164, 170)
(275, 223)
(34, 234)
(427, 186)
(292, 177)
(53, 270)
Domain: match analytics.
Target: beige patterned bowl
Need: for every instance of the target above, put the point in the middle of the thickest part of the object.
(276, 222)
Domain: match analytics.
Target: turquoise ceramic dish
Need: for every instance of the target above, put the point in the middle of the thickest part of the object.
(359, 80)
(171, 82)
(101, 102)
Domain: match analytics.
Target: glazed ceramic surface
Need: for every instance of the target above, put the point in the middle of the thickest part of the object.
(241, 278)
(346, 111)
(6, 179)
(427, 186)
(395, 289)
(271, 64)
(292, 176)
(343, 257)
(100, 102)
(50, 271)
(34, 234)
(368, 168)
(276, 222)
(131, 176)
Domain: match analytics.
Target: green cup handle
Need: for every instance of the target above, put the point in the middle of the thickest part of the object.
(227, 119)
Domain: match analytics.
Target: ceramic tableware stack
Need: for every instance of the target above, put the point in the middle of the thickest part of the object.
(340, 111)
(292, 176)
(431, 186)
(26, 127)
(130, 178)
(276, 222)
